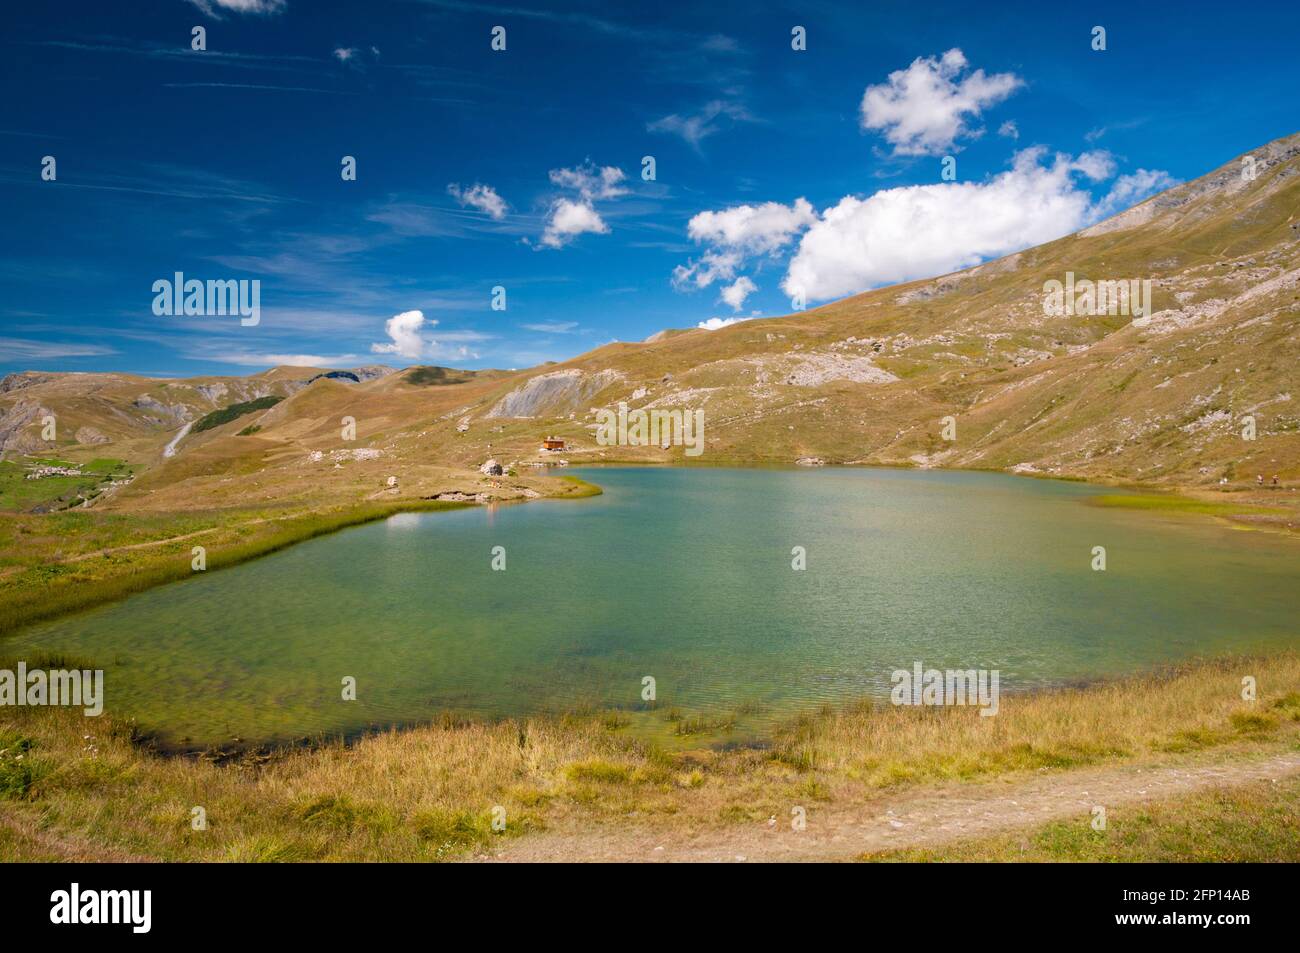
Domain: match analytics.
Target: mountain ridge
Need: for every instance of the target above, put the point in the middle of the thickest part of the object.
(869, 379)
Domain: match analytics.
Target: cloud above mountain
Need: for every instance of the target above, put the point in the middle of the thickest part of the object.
(918, 231)
(406, 339)
(901, 234)
(735, 235)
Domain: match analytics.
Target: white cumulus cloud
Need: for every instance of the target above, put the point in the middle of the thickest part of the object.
(738, 233)
(903, 234)
(590, 182)
(405, 339)
(568, 218)
(710, 267)
(736, 293)
(403, 331)
(924, 109)
(482, 197)
(753, 228)
(713, 324)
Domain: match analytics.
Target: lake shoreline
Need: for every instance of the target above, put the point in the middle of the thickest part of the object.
(743, 715)
(17, 614)
(237, 751)
(430, 793)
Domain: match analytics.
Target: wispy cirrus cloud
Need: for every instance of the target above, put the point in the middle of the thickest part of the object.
(695, 127)
(552, 327)
(261, 359)
(165, 179)
(113, 44)
(213, 8)
(260, 86)
(413, 220)
(29, 350)
(597, 24)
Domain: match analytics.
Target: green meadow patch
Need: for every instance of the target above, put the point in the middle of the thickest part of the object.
(1170, 503)
(56, 492)
(43, 590)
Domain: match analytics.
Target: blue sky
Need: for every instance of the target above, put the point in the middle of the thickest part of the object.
(777, 171)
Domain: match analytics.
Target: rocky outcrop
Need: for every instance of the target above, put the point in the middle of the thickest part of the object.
(213, 392)
(16, 432)
(370, 372)
(813, 370)
(89, 435)
(12, 382)
(555, 394)
(167, 415)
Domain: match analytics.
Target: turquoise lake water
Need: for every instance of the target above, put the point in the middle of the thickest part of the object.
(684, 575)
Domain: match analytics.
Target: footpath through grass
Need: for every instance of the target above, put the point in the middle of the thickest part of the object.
(1257, 822)
(93, 790)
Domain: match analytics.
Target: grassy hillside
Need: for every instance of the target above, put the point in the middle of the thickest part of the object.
(1161, 401)
(869, 380)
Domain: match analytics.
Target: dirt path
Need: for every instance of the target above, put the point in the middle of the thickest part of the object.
(47, 845)
(905, 819)
(149, 545)
(172, 539)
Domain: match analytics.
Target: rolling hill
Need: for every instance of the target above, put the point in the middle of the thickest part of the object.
(883, 377)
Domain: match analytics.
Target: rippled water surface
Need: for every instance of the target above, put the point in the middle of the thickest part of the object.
(684, 575)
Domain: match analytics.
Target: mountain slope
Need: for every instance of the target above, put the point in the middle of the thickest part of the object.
(871, 379)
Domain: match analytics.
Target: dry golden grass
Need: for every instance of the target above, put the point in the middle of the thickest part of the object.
(77, 788)
(1197, 705)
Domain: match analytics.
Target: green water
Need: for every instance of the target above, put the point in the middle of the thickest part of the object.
(684, 575)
